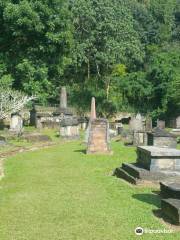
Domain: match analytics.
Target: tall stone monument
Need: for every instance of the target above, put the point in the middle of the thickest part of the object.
(69, 125)
(93, 109)
(63, 98)
(98, 134)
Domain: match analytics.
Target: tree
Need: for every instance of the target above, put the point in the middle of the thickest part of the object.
(11, 102)
(35, 41)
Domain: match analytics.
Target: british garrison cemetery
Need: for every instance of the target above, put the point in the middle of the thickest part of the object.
(89, 119)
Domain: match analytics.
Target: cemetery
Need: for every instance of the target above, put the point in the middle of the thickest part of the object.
(90, 120)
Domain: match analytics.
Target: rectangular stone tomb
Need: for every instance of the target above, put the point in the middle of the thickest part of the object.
(158, 159)
(69, 128)
(98, 137)
(170, 188)
(171, 209)
(161, 138)
(153, 165)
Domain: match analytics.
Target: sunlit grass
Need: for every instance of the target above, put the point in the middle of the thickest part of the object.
(62, 193)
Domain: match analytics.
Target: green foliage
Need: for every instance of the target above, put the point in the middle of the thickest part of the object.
(125, 53)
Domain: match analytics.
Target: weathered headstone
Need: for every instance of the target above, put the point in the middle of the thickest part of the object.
(119, 128)
(33, 116)
(161, 138)
(161, 124)
(137, 126)
(148, 124)
(176, 131)
(97, 135)
(16, 124)
(178, 122)
(83, 123)
(136, 123)
(98, 141)
(69, 128)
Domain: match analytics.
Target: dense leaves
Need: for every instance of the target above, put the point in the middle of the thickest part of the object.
(125, 53)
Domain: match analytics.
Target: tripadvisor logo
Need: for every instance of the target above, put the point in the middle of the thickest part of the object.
(139, 231)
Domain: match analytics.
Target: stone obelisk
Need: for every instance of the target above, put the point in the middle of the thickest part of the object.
(93, 109)
(63, 98)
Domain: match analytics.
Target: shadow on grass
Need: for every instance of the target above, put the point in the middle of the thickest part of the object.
(81, 151)
(149, 198)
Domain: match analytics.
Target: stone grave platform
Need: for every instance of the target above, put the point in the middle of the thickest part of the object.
(69, 128)
(98, 139)
(170, 188)
(36, 137)
(171, 208)
(153, 164)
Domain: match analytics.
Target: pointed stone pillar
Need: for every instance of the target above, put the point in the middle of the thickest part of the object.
(63, 98)
(93, 109)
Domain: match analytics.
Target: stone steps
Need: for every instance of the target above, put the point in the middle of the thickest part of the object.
(171, 209)
(136, 174)
(121, 173)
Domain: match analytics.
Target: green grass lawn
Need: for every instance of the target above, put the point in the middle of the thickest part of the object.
(62, 194)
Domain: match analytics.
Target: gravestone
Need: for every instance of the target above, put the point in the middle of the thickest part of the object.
(97, 135)
(98, 141)
(137, 126)
(83, 123)
(69, 128)
(93, 109)
(63, 98)
(119, 128)
(156, 159)
(16, 124)
(153, 164)
(161, 138)
(178, 122)
(69, 125)
(63, 108)
(136, 123)
(92, 117)
(176, 131)
(148, 124)
(161, 124)
(33, 116)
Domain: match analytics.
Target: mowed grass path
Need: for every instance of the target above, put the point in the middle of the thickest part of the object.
(62, 194)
